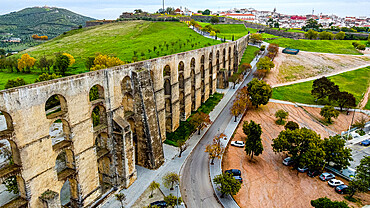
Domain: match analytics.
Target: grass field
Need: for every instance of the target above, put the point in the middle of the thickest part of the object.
(227, 31)
(248, 55)
(4, 76)
(368, 105)
(122, 39)
(324, 46)
(289, 30)
(355, 82)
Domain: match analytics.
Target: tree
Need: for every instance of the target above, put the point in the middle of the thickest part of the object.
(256, 38)
(253, 142)
(344, 99)
(70, 58)
(104, 61)
(200, 120)
(121, 197)
(215, 150)
(26, 62)
(45, 63)
(281, 115)
(46, 77)
(11, 185)
(361, 182)
(89, 62)
(212, 33)
(14, 83)
(61, 63)
(244, 67)
(259, 91)
(234, 78)
(170, 179)
(300, 144)
(312, 23)
(327, 203)
(340, 35)
(241, 102)
(172, 200)
(291, 125)
(326, 35)
(2, 52)
(360, 123)
(138, 11)
(206, 12)
(336, 152)
(214, 20)
(323, 87)
(265, 64)
(182, 145)
(329, 112)
(153, 186)
(311, 34)
(227, 184)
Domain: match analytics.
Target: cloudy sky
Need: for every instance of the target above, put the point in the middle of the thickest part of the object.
(111, 9)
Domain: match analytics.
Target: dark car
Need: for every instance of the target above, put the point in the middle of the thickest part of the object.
(366, 142)
(160, 204)
(238, 178)
(313, 173)
(326, 176)
(342, 189)
(234, 172)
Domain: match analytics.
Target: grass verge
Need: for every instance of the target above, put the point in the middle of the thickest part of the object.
(185, 129)
(5, 76)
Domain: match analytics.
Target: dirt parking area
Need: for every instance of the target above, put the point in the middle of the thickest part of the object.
(267, 182)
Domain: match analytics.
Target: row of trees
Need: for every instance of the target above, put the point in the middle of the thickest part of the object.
(43, 37)
(313, 35)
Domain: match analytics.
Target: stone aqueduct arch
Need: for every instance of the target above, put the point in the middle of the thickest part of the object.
(138, 103)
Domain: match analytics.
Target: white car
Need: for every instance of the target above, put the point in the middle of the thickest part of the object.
(238, 143)
(335, 182)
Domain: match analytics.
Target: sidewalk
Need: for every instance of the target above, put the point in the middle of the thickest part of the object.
(206, 34)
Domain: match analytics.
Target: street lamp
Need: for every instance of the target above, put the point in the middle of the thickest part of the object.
(177, 199)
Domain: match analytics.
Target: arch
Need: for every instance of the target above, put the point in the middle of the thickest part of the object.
(192, 64)
(56, 105)
(182, 105)
(217, 54)
(224, 58)
(59, 132)
(126, 85)
(101, 141)
(6, 121)
(210, 85)
(128, 102)
(229, 59)
(210, 69)
(192, 76)
(96, 92)
(104, 170)
(235, 61)
(202, 87)
(69, 193)
(65, 166)
(202, 72)
(131, 121)
(217, 65)
(167, 87)
(99, 116)
(181, 66)
(166, 71)
(181, 81)
(202, 59)
(13, 198)
(210, 56)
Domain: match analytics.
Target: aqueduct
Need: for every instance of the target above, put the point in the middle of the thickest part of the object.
(61, 135)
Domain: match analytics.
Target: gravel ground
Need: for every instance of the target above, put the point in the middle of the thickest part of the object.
(267, 182)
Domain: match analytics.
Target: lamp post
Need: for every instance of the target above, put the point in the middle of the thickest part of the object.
(177, 195)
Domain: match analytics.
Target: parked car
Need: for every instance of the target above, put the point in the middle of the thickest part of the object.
(288, 161)
(366, 142)
(302, 170)
(326, 176)
(342, 189)
(238, 178)
(161, 204)
(237, 143)
(335, 182)
(234, 172)
(313, 173)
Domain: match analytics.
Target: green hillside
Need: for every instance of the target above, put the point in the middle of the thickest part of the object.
(37, 20)
(124, 40)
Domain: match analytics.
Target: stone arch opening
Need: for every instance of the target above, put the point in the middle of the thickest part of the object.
(55, 106)
(128, 104)
(6, 122)
(210, 85)
(96, 93)
(235, 65)
(99, 117)
(202, 89)
(192, 64)
(229, 59)
(131, 121)
(202, 60)
(69, 193)
(126, 85)
(59, 132)
(13, 192)
(167, 71)
(218, 60)
(167, 95)
(224, 58)
(65, 166)
(182, 95)
(167, 87)
(192, 77)
(202, 72)
(181, 66)
(104, 161)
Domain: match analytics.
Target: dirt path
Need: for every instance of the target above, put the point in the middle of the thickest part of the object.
(268, 183)
(365, 99)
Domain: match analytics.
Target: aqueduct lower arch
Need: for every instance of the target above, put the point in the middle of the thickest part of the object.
(138, 103)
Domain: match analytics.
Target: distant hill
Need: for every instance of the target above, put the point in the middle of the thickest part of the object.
(49, 21)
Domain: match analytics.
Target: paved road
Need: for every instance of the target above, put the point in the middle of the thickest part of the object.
(196, 187)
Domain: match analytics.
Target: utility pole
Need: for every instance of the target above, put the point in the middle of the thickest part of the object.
(163, 6)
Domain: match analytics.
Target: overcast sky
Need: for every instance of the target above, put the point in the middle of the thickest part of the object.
(111, 9)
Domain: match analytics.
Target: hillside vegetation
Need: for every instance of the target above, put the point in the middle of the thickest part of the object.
(40, 21)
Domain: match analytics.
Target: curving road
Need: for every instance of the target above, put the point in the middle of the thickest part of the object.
(196, 187)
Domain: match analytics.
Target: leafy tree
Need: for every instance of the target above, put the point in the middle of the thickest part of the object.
(14, 83)
(214, 20)
(138, 11)
(121, 197)
(61, 63)
(234, 79)
(253, 142)
(301, 144)
(273, 48)
(215, 150)
(89, 62)
(360, 123)
(256, 38)
(170, 179)
(340, 35)
(200, 121)
(26, 62)
(313, 24)
(241, 102)
(182, 145)
(344, 99)
(336, 152)
(326, 35)
(46, 77)
(329, 112)
(361, 182)
(212, 33)
(291, 125)
(172, 200)
(70, 58)
(323, 87)
(45, 63)
(259, 91)
(206, 12)
(104, 61)
(327, 203)
(11, 185)
(281, 115)
(2, 52)
(153, 186)
(244, 67)
(265, 64)
(227, 184)
(311, 34)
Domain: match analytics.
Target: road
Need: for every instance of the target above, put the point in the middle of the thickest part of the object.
(196, 187)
